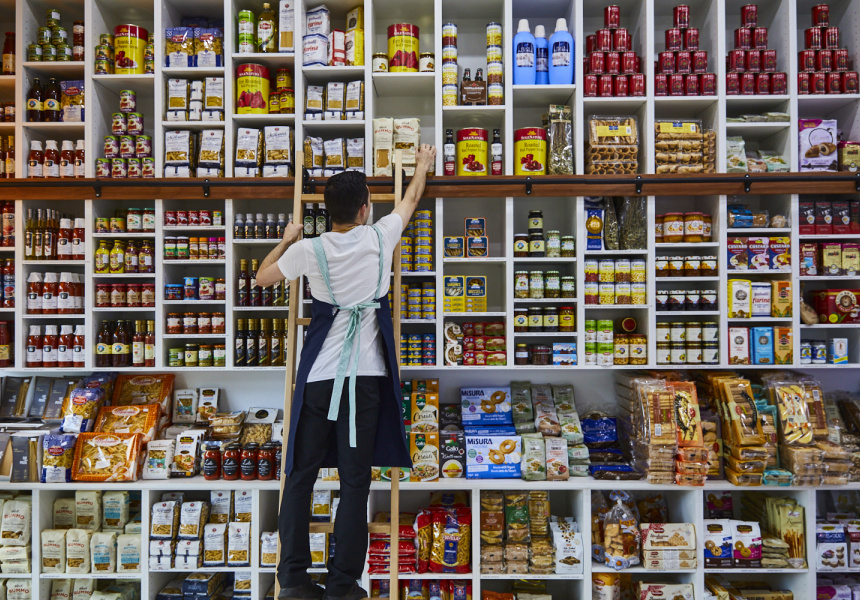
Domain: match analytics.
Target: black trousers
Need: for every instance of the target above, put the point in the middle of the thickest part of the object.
(315, 434)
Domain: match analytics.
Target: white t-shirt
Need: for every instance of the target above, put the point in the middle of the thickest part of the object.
(353, 266)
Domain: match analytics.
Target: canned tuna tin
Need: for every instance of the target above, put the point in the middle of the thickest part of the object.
(127, 101)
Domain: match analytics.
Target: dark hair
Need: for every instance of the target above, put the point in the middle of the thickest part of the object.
(345, 194)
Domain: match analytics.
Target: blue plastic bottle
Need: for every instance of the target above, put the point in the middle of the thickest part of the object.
(524, 55)
(541, 56)
(561, 55)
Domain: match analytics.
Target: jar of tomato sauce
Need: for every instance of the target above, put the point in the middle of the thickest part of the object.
(248, 462)
(266, 462)
(230, 461)
(212, 461)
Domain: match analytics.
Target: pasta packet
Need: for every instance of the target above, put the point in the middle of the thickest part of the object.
(221, 507)
(144, 389)
(208, 47)
(238, 544)
(88, 509)
(269, 549)
(164, 524)
(128, 553)
(116, 505)
(15, 523)
(78, 551)
(53, 551)
(211, 149)
(192, 517)
(81, 409)
(215, 544)
(179, 47)
(159, 457)
(249, 147)
(63, 514)
(58, 455)
(452, 536)
(72, 101)
(129, 419)
(621, 537)
(103, 552)
(107, 457)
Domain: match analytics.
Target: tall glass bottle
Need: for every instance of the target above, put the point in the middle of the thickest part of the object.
(267, 30)
(239, 352)
(149, 345)
(35, 102)
(104, 345)
(253, 289)
(121, 345)
(243, 284)
(51, 101)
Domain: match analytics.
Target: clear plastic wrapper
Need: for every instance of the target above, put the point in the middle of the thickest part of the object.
(621, 537)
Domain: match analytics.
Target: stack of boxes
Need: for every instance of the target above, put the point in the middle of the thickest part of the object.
(682, 69)
(479, 343)
(475, 244)
(823, 65)
(612, 68)
(324, 46)
(751, 65)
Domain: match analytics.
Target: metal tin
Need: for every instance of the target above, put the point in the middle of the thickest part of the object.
(681, 16)
(495, 54)
(620, 40)
(612, 17)
(674, 39)
(821, 15)
(743, 38)
(494, 34)
(813, 38)
(749, 15)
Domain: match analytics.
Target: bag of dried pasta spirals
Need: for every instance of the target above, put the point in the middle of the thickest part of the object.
(451, 548)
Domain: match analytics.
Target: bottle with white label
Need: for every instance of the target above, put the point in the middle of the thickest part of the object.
(449, 153)
(561, 55)
(67, 159)
(524, 55)
(497, 164)
(541, 56)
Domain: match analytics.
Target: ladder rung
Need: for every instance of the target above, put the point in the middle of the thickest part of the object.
(319, 198)
(303, 321)
(321, 527)
(379, 527)
(382, 197)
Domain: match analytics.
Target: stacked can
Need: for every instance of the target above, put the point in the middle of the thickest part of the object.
(598, 343)
(751, 66)
(615, 281)
(127, 152)
(52, 40)
(418, 349)
(495, 65)
(823, 65)
(612, 68)
(450, 69)
(416, 244)
(682, 69)
(418, 300)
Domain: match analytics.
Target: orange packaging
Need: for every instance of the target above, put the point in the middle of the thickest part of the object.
(134, 390)
(107, 457)
(687, 416)
(129, 419)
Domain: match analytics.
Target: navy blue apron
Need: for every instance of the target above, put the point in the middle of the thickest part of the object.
(391, 448)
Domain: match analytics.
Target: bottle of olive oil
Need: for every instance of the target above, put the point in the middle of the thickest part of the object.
(267, 30)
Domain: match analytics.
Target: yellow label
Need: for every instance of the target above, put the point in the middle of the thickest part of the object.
(614, 130)
(678, 127)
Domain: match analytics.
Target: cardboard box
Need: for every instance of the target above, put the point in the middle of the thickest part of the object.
(831, 548)
(838, 306)
(487, 457)
(668, 536)
(739, 346)
(738, 254)
(452, 455)
(759, 257)
(475, 226)
(477, 247)
(782, 345)
(454, 247)
(850, 259)
(823, 217)
(486, 406)
(806, 216)
(761, 342)
(831, 258)
(780, 299)
(809, 259)
(424, 452)
(779, 253)
(454, 294)
(818, 144)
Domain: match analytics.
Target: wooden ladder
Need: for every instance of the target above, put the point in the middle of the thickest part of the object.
(293, 322)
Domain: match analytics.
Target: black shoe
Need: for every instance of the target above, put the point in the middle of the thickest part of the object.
(308, 591)
(356, 593)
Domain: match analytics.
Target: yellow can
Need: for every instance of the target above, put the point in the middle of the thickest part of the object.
(403, 48)
(252, 89)
(129, 46)
(530, 151)
(472, 157)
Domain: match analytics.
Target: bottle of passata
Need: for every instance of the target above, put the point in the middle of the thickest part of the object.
(65, 347)
(67, 159)
(36, 160)
(34, 347)
(78, 235)
(10, 158)
(79, 348)
(66, 295)
(49, 294)
(79, 161)
(34, 293)
(64, 240)
(5, 345)
(51, 166)
(49, 347)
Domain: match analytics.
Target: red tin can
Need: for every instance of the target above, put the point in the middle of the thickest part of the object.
(683, 63)
(674, 39)
(597, 63)
(737, 61)
(817, 83)
(666, 62)
(850, 82)
(691, 39)
(661, 85)
(753, 61)
(170, 218)
(802, 83)
(821, 15)
(806, 61)
(748, 84)
(676, 85)
(636, 85)
(840, 59)
(620, 40)
(206, 218)
(182, 218)
(613, 63)
(831, 38)
(590, 41)
(603, 41)
(620, 86)
(691, 85)
(590, 82)
(604, 86)
(681, 16)
(743, 38)
(759, 38)
(813, 38)
(733, 84)
(749, 15)
(628, 62)
(834, 83)
(193, 217)
(612, 17)
(824, 60)
(708, 84)
(768, 61)
(700, 61)
(637, 61)
(778, 84)
(762, 84)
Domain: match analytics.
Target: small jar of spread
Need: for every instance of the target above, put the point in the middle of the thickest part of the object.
(694, 353)
(676, 266)
(673, 228)
(708, 266)
(204, 356)
(521, 354)
(568, 287)
(662, 300)
(191, 353)
(218, 323)
(691, 300)
(521, 245)
(677, 354)
(693, 333)
(710, 332)
(132, 295)
(691, 266)
(176, 357)
(521, 320)
(219, 355)
(174, 323)
(658, 228)
(550, 319)
(102, 294)
(694, 227)
(537, 245)
(663, 353)
(189, 323)
(638, 349)
(708, 300)
(117, 294)
(711, 354)
(706, 227)
(536, 284)
(541, 355)
(661, 267)
(204, 324)
(677, 332)
(220, 289)
(536, 221)
(535, 319)
(521, 284)
(147, 294)
(676, 300)
(621, 347)
(663, 331)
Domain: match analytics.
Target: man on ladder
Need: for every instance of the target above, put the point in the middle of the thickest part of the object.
(346, 403)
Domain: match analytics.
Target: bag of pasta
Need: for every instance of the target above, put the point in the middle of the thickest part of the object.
(58, 455)
(135, 390)
(107, 457)
(452, 537)
(129, 419)
(621, 538)
(81, 409)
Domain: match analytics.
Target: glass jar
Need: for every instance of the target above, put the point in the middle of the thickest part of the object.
(176, 357)
(568, 246)
(174, 324)
(677, 332)
(708, 266)
(248, 461)
(662, 300)
(535, 221)
(694, 353)
(231, 460)
(553, 243)
(661, 266)
(638, 349)
(708, 300)
(694, 227)
(663, 329)
(204, 357)
(132, 295)
(691, 266)
(567, 319)
(535, 284)
(204, 324)
(550, 319)
(134, 220)
(521, 354)
(537, 245)
(191, 353)
(621, 346)
(693, 332)
(568, 287)
(266, 462)
(691, 300)
(541, 355)
(710, 332)
(706, 227)
(169, 248)
(219, 355)
(182, 248)
(218, 323)
(220, 289)
(535, 319)
(676, 266)
(148, 220)
(189, 323)
(658, 228)
(663, 353)
(521, 284)
(711, 354)
(677, 354)
(521, 245)
(552, 284)
(147, 295)
(212, 461)
(521, 320)
(673, 228)
(102, 295)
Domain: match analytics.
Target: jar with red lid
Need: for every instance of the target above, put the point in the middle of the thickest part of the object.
(212, 461)
(132, 295)
(248, 461)
(189, 323)
(148, 220)
(266, 462)
(147, 294)
(117, 294)
(102, 295)
(204, 323)
(230, 461)
(174, 323)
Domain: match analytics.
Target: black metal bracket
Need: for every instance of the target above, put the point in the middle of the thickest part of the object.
(857, 182)
(205, 188)
(639, 184)
(747, 183)
(98, 190)
(528, 186)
